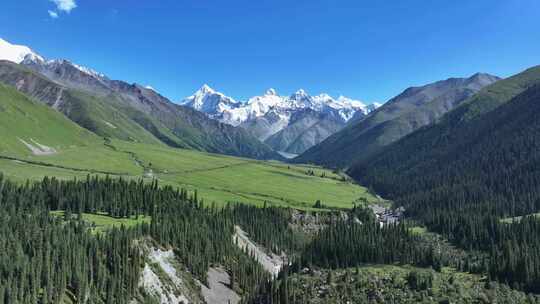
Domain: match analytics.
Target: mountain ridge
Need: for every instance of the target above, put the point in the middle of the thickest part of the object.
(95, 102)
(413, 108)
(495, 101)
(271, 116)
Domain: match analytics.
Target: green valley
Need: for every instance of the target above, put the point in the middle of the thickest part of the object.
(77, 152)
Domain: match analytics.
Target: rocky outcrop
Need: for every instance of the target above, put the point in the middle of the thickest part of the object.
(271, 262)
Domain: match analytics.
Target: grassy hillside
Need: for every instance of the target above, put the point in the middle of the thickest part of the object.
(102, 222)
(22, 119)
(217, 178)
(221, 178)
(95, 113)
(26, 122)
(501, 92)
(104, 117)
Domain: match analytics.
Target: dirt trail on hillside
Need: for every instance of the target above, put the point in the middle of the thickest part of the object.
(211, 169)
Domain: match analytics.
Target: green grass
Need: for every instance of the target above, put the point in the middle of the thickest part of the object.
(24, 119)
(108, 117)
(418, 230)
(102, 222)
(20, 172)
(221, 178)
(500, 92)
(217, 178)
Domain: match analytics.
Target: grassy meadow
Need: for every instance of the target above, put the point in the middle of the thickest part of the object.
(102, 222)
(217, 178)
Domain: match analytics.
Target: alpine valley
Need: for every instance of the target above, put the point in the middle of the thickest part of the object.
(111, 193)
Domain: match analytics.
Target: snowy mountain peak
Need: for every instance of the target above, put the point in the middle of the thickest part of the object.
(33, 57)
(16, 53)
(87, 70)
(209, 101)
(324, 96)
(270, 92)
(24, 55)
(348, 101)
(205, 89)
(225, 109)
(299, 94)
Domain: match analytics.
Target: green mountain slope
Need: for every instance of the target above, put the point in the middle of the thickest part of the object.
(480, 164)
(24, 120)
(91, 112)
(495, 131)
(130, 112)
(37, 141)
(405, 113)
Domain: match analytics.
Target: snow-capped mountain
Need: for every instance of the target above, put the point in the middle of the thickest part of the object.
(58, 62)
(128, 111)
(227, 110)
(269, 114)
(208, 101)
(60, 70)
(16, 53)
(288, 123)
(255, 107)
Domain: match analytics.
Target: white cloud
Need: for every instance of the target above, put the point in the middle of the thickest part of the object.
(53, 14)
(65, 5)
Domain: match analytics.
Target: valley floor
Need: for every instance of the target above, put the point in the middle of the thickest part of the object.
(217, 178)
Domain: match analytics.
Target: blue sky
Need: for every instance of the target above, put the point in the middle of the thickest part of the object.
(370, 50)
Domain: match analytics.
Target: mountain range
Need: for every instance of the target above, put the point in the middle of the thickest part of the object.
(289, 124)
(414, 108)
(334, 132)
(501, 119)
(114, 108)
